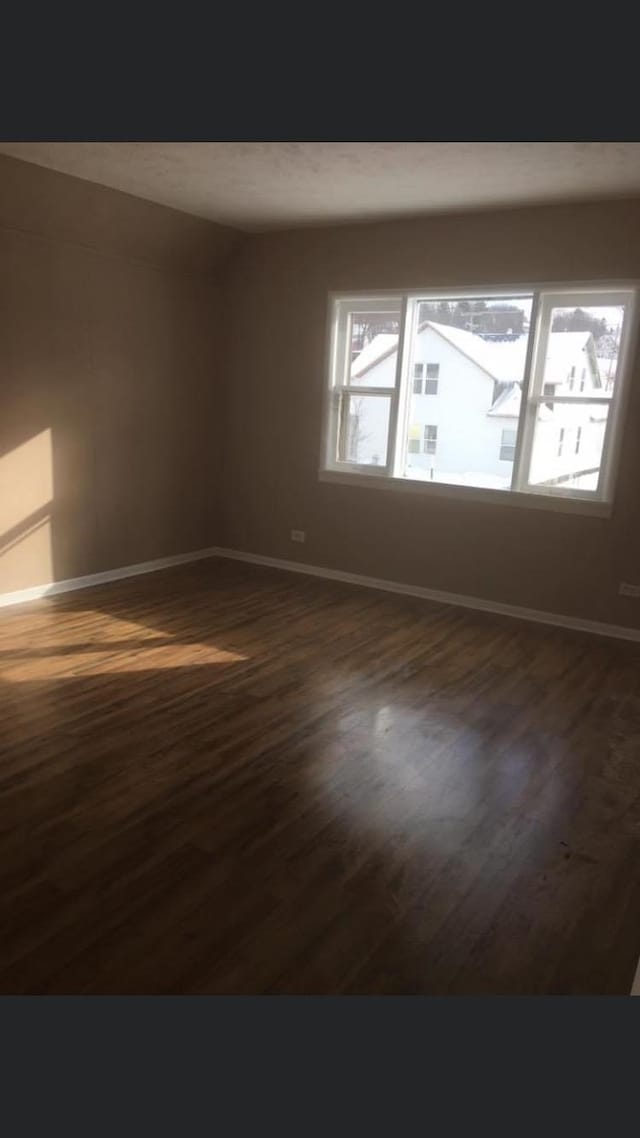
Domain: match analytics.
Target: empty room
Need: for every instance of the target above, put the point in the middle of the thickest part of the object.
(319, 568)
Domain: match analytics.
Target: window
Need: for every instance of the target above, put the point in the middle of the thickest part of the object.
(430, 385)
(510, 358)
(508, 445)
(414, 439)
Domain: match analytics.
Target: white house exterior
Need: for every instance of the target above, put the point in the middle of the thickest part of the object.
(465, 405)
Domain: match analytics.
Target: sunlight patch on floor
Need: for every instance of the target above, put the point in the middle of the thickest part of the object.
(109, 645)
(105, 662)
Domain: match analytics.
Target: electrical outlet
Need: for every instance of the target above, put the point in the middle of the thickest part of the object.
(627, 590)
(297, 535)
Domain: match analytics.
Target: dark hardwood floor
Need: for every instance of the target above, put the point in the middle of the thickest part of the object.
(224, 778)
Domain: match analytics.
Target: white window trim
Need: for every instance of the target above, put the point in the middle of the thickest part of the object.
(556, 294)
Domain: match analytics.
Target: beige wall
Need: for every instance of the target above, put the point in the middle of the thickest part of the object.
(161, 382)
(279, 283)
(111, 344)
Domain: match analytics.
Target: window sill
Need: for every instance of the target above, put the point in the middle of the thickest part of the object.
(595, 509)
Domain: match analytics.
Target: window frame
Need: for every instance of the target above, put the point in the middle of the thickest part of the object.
(546, 296)
(545, 301)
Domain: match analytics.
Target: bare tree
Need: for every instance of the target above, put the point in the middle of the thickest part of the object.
(351, 436)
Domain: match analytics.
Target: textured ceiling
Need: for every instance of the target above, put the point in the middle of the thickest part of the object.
(265, 185)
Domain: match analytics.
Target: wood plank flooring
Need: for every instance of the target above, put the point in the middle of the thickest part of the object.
(224, 778)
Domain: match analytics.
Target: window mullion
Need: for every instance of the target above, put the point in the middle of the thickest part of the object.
(403, 384)
(526, 422)
(395, 398)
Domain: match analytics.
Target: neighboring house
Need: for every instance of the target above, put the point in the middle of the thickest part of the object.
(465, 405)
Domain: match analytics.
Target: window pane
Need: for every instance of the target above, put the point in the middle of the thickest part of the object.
(582, 350)
(567, 446)
(373, 347)
(508, 445)
(364, 429)
(473, 350)
(430, 439)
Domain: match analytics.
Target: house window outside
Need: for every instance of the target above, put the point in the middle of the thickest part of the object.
(508, 445)
(430, 439)
(549, 391)
(507, 354)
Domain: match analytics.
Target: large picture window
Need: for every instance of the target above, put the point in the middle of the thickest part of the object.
(529, 383)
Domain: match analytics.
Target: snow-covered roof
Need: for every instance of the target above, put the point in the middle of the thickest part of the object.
(507, 405)
(372, 353)
(502, 360)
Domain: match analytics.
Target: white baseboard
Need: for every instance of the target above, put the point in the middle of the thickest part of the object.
(459, 600)
(36, 592)
(578, 624)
